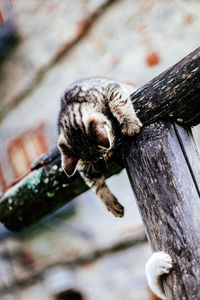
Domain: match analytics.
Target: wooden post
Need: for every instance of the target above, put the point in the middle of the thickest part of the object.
(164, 170)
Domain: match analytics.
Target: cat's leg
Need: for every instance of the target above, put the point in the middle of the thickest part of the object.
(97, 183)
(158, 264)
(120, 104)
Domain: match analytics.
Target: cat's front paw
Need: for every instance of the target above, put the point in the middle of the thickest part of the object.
(131, 128)
(158, 264)
(116, 208)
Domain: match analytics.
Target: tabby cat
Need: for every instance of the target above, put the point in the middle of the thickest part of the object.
(92, 112)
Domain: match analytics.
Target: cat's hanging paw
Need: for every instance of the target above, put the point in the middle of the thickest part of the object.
(131, 128)
(115, 208)
(158, 264)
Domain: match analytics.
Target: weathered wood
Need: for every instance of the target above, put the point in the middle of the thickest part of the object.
(44, 190)
(173, 94)
(191, 153)
(164, 171)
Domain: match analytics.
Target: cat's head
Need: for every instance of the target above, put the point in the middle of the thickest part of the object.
(91, 140)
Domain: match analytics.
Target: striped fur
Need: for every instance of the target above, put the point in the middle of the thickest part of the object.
(91, 109)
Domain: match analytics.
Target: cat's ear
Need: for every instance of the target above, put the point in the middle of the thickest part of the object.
(100, 133)
(69, 164)
(69, 160)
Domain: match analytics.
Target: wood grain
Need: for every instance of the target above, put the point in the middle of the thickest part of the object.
(164, 173)
(174, 94)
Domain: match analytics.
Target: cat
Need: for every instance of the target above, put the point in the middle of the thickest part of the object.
(92, 111)
(158, 264)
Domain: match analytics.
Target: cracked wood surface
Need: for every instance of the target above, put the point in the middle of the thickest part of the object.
(173, 95)
(163, 165)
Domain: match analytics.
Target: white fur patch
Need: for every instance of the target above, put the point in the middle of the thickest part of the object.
(159, 263)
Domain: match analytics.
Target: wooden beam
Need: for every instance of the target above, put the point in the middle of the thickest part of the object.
(44, 190)
(173, 95)
(163, 165)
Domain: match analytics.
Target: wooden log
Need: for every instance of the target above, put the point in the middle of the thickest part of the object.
(163, 165)
(44, 190)
(173, 94)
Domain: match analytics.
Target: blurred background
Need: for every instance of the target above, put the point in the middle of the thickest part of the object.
(81, 251)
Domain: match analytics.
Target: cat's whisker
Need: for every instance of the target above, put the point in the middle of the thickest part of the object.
(119, 143)
(93, 168)
(106, 164)
(88, 168)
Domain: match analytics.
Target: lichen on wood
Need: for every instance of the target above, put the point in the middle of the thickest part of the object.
(44, 190)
